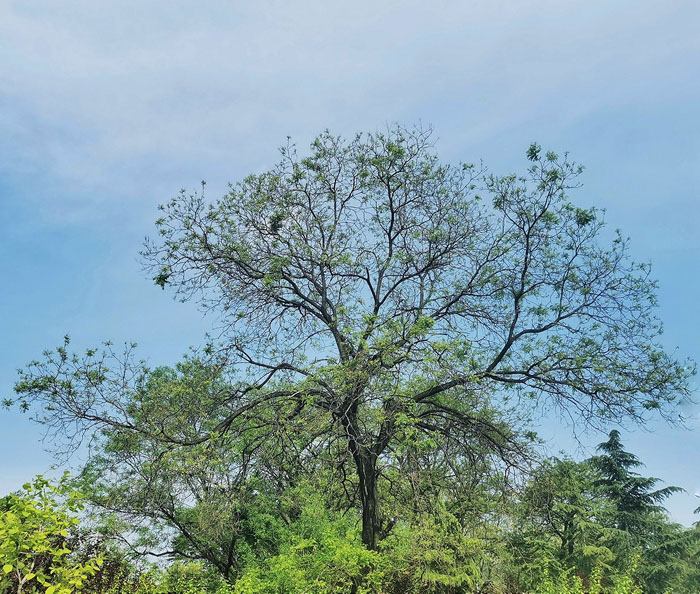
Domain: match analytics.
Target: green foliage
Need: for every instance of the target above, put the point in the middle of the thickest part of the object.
(210, 500)
(320, 554)
(598, 517)
(553, 542)
(432, 555)
(34, 525)
(569, 582)
(185, 578)
(633, 496)
(323, 553)
(558, 525)
(178, 578)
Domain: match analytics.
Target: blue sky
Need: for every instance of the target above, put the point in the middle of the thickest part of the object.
(107, 109)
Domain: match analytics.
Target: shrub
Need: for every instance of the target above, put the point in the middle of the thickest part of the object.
(34, 525)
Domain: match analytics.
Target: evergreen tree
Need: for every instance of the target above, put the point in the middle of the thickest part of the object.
(633, 496)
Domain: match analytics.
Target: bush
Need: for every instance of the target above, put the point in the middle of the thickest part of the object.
(321, 555)
(34, 525)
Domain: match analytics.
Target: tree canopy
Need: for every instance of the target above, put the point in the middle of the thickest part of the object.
(382, 314)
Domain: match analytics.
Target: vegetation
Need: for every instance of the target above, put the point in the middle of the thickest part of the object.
(362, 424)
(560, 534)
(34, 525)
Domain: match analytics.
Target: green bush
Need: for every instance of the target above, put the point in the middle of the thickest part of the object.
(429, 556)
(324, 555)
(321, 555)
(34, 524)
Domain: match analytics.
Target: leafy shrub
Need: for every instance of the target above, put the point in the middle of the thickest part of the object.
(322, 555)
(34, 525)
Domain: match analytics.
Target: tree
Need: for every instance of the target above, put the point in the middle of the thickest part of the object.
(598, 518)
(558, 498)
(634, 497)
(557, 533)
(34, 524)
(218, 501)
(639, 517)
(370, 287)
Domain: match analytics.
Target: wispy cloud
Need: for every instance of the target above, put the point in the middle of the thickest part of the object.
(111, 99)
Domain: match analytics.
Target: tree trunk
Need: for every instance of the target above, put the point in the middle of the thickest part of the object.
(366, 463)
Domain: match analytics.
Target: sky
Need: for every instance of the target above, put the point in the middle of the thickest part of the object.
(108, 109)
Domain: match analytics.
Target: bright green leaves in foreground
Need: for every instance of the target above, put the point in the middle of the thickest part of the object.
(34, 524)
(323, 553)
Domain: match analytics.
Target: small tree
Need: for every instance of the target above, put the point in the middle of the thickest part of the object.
(210, 501)
(34, 524)
(557, 522)
(634, 497)
(371, 288)
(641, 521)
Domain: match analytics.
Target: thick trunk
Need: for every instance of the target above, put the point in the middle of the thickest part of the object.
(367, 475)
(366, 466)
(365, 459)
